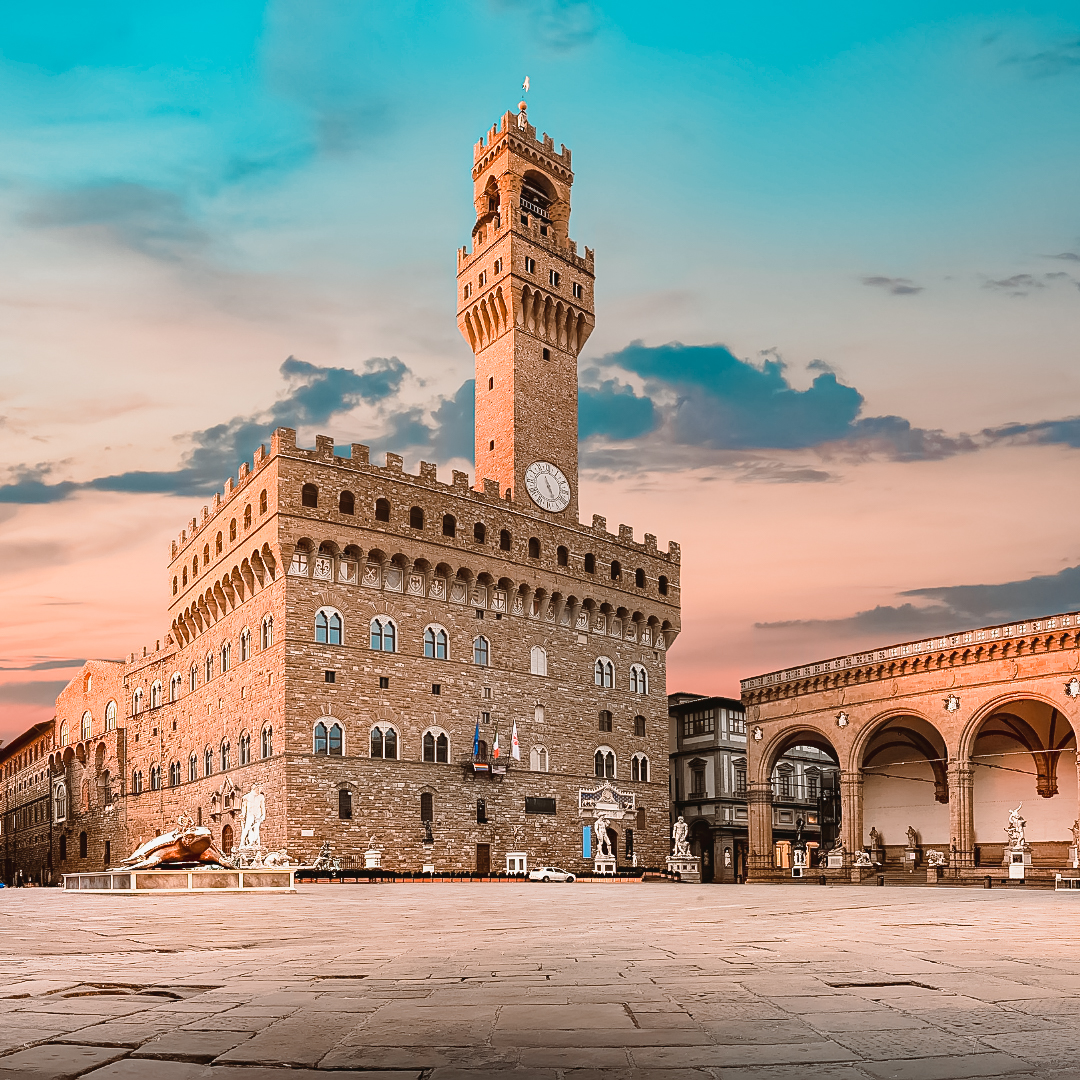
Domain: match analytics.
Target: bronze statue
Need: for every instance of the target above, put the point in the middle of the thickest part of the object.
(186, 845)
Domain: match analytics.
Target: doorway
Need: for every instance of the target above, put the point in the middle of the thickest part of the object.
(483, 859)
(227, 839)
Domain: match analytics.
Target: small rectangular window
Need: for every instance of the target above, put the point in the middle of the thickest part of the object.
(468, 291)
(436, 688)
(487, 691)
(524, 219)
(384, 682)
(344, 804)
(539, 806)
(530, 265)
(553, 278)
(547, 354)
(479, 613)
(491, 383)
(578, 291)
(330, 676)
(481, 812)
(485, 718)
(498, 266)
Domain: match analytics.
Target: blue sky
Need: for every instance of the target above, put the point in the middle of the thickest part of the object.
(838, 254)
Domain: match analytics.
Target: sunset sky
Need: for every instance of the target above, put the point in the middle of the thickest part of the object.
(838, 294)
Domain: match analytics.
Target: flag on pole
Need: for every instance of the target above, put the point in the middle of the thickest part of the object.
(515, 748)
(495, 746)
(476, 740)
(525, 84)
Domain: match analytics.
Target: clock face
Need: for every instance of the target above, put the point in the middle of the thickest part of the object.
(547, 487)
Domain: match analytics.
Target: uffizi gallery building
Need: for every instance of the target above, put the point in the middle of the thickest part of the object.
(364, 643)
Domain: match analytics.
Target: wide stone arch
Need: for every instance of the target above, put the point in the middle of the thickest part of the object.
(779, 743)
(970, 731)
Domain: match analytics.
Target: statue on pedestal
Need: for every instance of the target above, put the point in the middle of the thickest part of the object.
(1015, 830)
(912, 838)
(600, 833)
(862, 859)
(936, 859)
(253, 811)
(186, 845)
(679, 834)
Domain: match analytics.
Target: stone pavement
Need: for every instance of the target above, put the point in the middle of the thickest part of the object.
(542, 982)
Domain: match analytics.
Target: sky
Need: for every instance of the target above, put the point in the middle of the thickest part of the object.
(837, 296)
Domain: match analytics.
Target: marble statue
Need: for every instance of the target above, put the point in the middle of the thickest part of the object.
(1075, 830)
(679, 834)
(912, 838)
(862, 858)
(935, 858)
(875, 838)
(1015, 829)
(326, 861)
(253, 811)
(187, 844)
(276, 859)
(603, 841)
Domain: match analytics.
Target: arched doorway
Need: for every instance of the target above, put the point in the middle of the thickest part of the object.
(1023, 754)
(227, 839)
(701, 845)
(904, 768)
(613, 843)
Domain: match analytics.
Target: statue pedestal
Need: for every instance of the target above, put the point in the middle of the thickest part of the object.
(248, 856)
(688, 867)
(834, 862)
(933, 874)
(1017, 861)
(605, 865)
(912, 858)
(373, 859)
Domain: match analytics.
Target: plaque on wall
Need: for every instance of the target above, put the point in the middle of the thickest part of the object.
(371, 575)
(583, 619)
(616, 627)
(457, 592)
(416, 584)
(393, 578)
(498, 599)
(519, 605)
(324, 568)
(346, 572)
(437, 589)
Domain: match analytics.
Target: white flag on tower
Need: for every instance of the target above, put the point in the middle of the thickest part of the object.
(515, 747)
(525, 84)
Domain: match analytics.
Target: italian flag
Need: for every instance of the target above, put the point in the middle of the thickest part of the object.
(495, 746)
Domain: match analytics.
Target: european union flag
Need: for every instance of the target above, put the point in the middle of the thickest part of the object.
(476, 740)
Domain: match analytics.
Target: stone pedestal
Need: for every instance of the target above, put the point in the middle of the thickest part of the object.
(373, 859)
(1017, 861)
(688, 867)
(834, 862)
(605, 865)
(933, 874)
(912, 858)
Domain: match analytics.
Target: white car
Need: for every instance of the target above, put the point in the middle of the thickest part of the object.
(550, 873)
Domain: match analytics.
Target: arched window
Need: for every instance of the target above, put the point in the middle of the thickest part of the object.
(309, 495)
(247, 516)
(136, 702)
(208, 762)
(390, 744)
(449, 525)
(383, 635)
(429, 746)
(195, 567)
(538, 759)
(436, 746)
(267, 632)
(504, 540)
(224, 755)
(481, 651)
(534, 548)
(110, 716)
(232, 530)
(435, 643)
(639, 726)
(416, 518)
(84, 729)
(590, 563)
(639, 679)
(538, 661)
(193, 678)
(218, 544)
(244, 746)
(206, 554)
(376, 742)
(60, 802)
(344, 804)
(64, 733)
(604, 762)
(562, 555)
(481, 751)
(427, 806)
(479, 533)
(262, 501)
(616, 570)
(320, 738)
(639, 768)
(639, 578)
(268, 741)
(174, 587)
(209, 665)
(175, 684)
(335, 741)
(382, 510)
(226, 656)
(346, 503)
(193, 767)
(155, 777)
(604, 673)
(245, 644)
(185, 576)
(82, 845)
(174, 774)
(662, 585)
(155, 694)
(328, 626)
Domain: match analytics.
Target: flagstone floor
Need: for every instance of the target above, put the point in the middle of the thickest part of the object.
(539, 981)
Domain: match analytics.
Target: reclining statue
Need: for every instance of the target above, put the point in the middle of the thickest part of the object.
(186, 845)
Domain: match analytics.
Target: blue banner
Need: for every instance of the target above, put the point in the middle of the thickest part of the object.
(586, 841)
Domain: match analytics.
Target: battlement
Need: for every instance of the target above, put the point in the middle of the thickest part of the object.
(494, 232)
(506, 127)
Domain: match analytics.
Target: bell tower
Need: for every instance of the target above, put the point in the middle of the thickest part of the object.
(525, 306)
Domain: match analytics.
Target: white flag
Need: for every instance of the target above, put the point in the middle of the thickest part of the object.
(525, 84)
(515, 747)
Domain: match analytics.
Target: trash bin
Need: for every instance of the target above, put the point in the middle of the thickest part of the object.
(881, 879)
(988, 882)
(823, 880)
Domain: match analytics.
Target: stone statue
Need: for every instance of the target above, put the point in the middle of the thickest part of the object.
(186, 845)
(875, 838)
(800, 825)
(1075, 830)
(276, 859)
(603, 841)
(253, 811)
(1015, 829)
(935, 858)
(912, 838)
(862, 858)
(679, 834)
(325, 861)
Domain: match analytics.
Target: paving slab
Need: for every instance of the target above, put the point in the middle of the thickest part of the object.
(56, 1061)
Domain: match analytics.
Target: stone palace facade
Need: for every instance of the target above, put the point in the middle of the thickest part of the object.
(356, 639)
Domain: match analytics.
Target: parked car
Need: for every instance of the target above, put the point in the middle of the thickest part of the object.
(550, 873)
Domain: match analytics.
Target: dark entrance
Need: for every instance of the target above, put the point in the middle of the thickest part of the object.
(226, 839)
(613, 842)
(483, 859)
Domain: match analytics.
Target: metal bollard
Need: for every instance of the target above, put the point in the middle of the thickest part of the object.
(988, 882)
